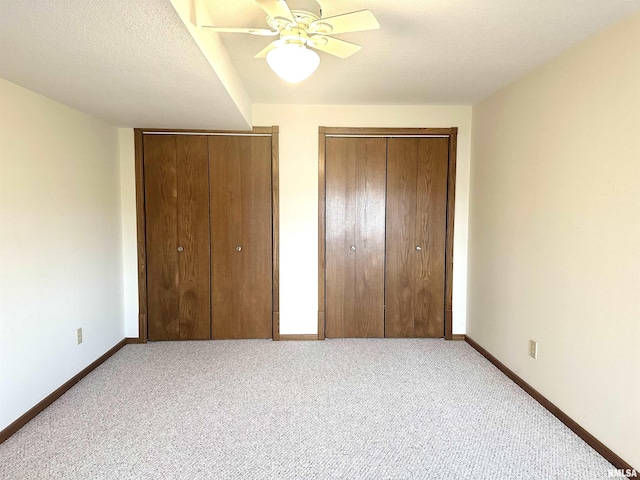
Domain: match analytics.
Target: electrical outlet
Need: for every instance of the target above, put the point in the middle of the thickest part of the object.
(79, 332)
(533, 349)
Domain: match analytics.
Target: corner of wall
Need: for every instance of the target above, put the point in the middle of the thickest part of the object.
(129, 234)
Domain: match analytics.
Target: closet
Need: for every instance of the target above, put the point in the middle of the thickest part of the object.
(387, 222)
(209, 244)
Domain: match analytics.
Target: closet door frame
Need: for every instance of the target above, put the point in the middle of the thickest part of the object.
(451, 134)
(139, 133)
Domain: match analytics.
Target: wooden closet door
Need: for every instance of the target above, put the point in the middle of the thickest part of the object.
(416, 234)
(161, 202)
(241, 233)
(193, 237)
(176, 202)
(355, 205)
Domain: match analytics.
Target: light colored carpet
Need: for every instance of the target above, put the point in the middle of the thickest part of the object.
(355, 409)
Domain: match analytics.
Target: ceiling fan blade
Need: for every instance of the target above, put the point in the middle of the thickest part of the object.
(193, 18)
(348, 22)
(263, 53)
(277, 9)
(263, 32)
(333, 46)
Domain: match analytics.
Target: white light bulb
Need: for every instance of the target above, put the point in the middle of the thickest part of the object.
(293, 62)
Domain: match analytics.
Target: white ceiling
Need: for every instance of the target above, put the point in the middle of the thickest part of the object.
(130, 63)
(426, 51)
(134, 63)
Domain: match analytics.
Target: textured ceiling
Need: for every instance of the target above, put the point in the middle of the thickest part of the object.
(426, 52)
(135, 63)
(130, 63)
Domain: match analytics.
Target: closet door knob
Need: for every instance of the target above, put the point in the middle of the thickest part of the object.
(419, 248)
(238, 248)
(353, 248)
(181, 249)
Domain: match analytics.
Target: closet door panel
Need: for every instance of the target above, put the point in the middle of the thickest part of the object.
(416, 233)
(240, 172)
(355, 199)
(256, 241)
(161, 199)
(430, 234)
(341, 234)
(402, 170)
(371, 158)
(226, 298)
(193, 235)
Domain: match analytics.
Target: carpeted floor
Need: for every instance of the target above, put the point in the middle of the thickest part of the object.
(353, 409)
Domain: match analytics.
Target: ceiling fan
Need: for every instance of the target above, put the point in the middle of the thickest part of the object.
(301, 27)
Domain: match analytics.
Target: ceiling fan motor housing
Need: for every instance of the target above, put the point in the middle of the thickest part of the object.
(300, 25)
(304, 11)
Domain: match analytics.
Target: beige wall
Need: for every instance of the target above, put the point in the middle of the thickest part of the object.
(129, 230)
(60, 245)
(554, 233)
(299, 195)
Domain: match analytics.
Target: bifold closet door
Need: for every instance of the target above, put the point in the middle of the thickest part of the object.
(417, 170)
(241, 235)
(177, 220)
(355, 236)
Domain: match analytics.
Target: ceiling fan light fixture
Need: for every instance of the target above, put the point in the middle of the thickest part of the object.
(293, 62)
